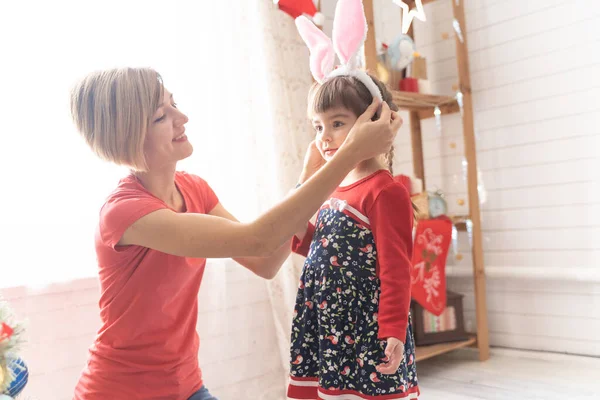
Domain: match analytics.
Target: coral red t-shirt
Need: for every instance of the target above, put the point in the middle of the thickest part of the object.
(147, 347)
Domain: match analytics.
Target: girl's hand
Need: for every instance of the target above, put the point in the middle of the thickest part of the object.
(313, 161)
(394, 352)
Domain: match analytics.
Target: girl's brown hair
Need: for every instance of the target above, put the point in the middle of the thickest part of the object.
(350, 93)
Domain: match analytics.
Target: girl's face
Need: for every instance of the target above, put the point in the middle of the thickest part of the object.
(332, 127)
(166, 142)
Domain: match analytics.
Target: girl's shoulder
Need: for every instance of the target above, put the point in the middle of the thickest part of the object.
(384, 191)
(378, 183)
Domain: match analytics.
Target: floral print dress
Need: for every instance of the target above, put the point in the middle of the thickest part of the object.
(336, 338)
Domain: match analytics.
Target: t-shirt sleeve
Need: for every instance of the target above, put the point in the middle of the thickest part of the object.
(123, 209)
(391, 220)
(207, 195)
(303, 246)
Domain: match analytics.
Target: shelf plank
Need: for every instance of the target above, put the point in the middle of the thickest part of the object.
(424, 104)
(425, 352)
(445, 109)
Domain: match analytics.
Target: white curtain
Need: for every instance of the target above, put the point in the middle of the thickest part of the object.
(252, 139)
(224, 71)
(252, 154)
(288, 83)
(237, 68)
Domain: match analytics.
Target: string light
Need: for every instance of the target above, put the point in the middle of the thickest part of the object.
(459, 100)
(438, 118)
(456, 26)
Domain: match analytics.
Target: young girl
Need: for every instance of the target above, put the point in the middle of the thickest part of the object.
(351, 333)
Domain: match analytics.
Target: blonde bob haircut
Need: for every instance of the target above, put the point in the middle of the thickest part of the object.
(112, 110)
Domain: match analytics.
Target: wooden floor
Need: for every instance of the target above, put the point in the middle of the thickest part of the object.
(509, 374)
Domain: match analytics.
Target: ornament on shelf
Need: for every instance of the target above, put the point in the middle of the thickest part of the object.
(418, 70)
(447, 327)
(409, 85)
(437, 204)
(456, 26)
(408, 14)
(382, 51)
(296, 8)
(20, 373)
(401, 52)
(418, 67)
(424, 86)
(428, 272)
(13, 371)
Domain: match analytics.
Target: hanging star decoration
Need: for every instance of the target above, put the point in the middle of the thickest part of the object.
(408, 14)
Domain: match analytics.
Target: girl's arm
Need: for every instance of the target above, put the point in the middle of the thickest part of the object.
(206, 236)
(392, 222)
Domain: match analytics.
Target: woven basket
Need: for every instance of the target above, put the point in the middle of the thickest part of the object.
(421, 202)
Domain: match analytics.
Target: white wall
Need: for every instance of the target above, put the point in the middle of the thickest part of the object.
(238, 351)
(534, 70)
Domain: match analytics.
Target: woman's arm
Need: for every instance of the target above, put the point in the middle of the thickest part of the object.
(268, 267)
(312, 163)
(196, 235)
(265, 267)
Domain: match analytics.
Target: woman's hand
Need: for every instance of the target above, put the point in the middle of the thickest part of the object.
(367, 138)
(313, 161)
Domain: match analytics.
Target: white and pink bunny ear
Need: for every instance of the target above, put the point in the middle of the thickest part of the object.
(349, 30)
(322, 56)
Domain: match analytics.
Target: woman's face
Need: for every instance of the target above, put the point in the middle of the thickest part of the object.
(166, 141)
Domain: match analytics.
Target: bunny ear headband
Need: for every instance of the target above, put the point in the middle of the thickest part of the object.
(349, 34)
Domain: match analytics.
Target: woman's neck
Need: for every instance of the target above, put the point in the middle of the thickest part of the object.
(363, 170)
(161, 183)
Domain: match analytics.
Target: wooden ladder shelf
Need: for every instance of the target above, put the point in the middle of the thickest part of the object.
(421, 106)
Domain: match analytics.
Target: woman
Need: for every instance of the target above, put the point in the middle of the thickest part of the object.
(159, 225)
